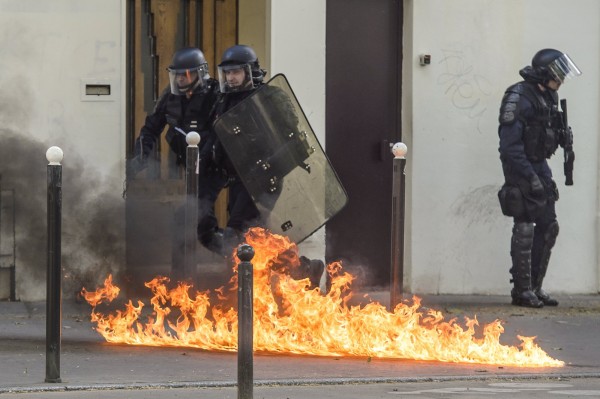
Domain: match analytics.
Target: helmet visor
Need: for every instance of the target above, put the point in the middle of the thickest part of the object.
(184, 80)
(563, 68)
(235, 78)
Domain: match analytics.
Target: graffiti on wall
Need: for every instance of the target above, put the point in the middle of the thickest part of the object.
(463, 85)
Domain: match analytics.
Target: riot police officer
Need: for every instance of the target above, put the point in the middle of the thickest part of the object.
(239, 75)
(185, 106)
(530, 131)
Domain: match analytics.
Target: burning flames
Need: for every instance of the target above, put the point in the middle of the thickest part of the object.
(289, 317)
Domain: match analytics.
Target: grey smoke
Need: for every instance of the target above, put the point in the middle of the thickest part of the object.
(92, 211)
(92, 242)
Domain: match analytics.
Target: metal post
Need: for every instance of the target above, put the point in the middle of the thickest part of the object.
(13, 269)
(245, 253)
(397, 271)
(53, 278)
(191, 204)
(0, 217)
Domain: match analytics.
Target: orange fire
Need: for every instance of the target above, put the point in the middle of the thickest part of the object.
(289, 317)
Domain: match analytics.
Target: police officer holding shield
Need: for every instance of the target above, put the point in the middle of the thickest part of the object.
(239, 75)
(530, 131)
(264, 150)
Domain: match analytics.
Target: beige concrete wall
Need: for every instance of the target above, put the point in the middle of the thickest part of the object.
(50, 51)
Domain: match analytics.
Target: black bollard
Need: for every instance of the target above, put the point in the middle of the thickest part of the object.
(245, 253)
(53, 278)
(397, 261)
(191, 204)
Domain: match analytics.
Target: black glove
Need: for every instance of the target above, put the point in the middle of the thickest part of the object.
(537, 188)
(135, 166)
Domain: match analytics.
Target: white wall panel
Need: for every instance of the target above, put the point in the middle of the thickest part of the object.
(49, 51)
(459, 240)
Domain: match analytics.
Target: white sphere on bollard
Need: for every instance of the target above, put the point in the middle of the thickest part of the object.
(192, 138)
(399, 150)
(54, 155)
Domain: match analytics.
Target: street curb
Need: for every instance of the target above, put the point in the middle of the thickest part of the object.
(293, 382)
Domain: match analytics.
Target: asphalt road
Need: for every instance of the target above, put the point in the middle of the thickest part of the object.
(92, 368)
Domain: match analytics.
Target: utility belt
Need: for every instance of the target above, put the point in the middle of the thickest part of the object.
(516, 199)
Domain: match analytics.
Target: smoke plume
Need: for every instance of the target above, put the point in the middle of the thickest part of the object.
(92, 242)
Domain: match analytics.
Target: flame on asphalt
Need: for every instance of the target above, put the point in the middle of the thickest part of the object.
(292, 318)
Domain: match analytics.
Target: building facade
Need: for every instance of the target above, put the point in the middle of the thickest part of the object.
(81, 75)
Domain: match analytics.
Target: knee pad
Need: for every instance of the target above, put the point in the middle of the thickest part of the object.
(522, 238)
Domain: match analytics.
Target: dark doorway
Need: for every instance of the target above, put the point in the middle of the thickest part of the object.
(363, 78)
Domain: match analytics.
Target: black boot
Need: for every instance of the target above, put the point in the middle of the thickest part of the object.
(526, 299)
(213, 241)
(545, 297)
(314, 269)
(231, 239)
(522, 293)
(542, 257)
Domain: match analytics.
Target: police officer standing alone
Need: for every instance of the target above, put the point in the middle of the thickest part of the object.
(531, 129)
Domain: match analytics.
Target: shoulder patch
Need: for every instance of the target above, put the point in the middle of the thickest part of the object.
(509, 110)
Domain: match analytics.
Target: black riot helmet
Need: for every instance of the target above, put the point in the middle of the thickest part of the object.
(236, 59)
(188, 62)
(549, 64)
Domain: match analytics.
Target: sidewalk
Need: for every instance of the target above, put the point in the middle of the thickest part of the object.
(568, 332)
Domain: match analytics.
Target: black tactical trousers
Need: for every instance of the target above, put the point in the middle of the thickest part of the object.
(242, 211)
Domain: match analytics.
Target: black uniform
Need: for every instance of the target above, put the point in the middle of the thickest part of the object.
(217, 173)
(529, 134)
(179, 112)
(183, 115)
(531, 129)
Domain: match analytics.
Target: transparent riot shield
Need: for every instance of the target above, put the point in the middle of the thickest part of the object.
(280, 161)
